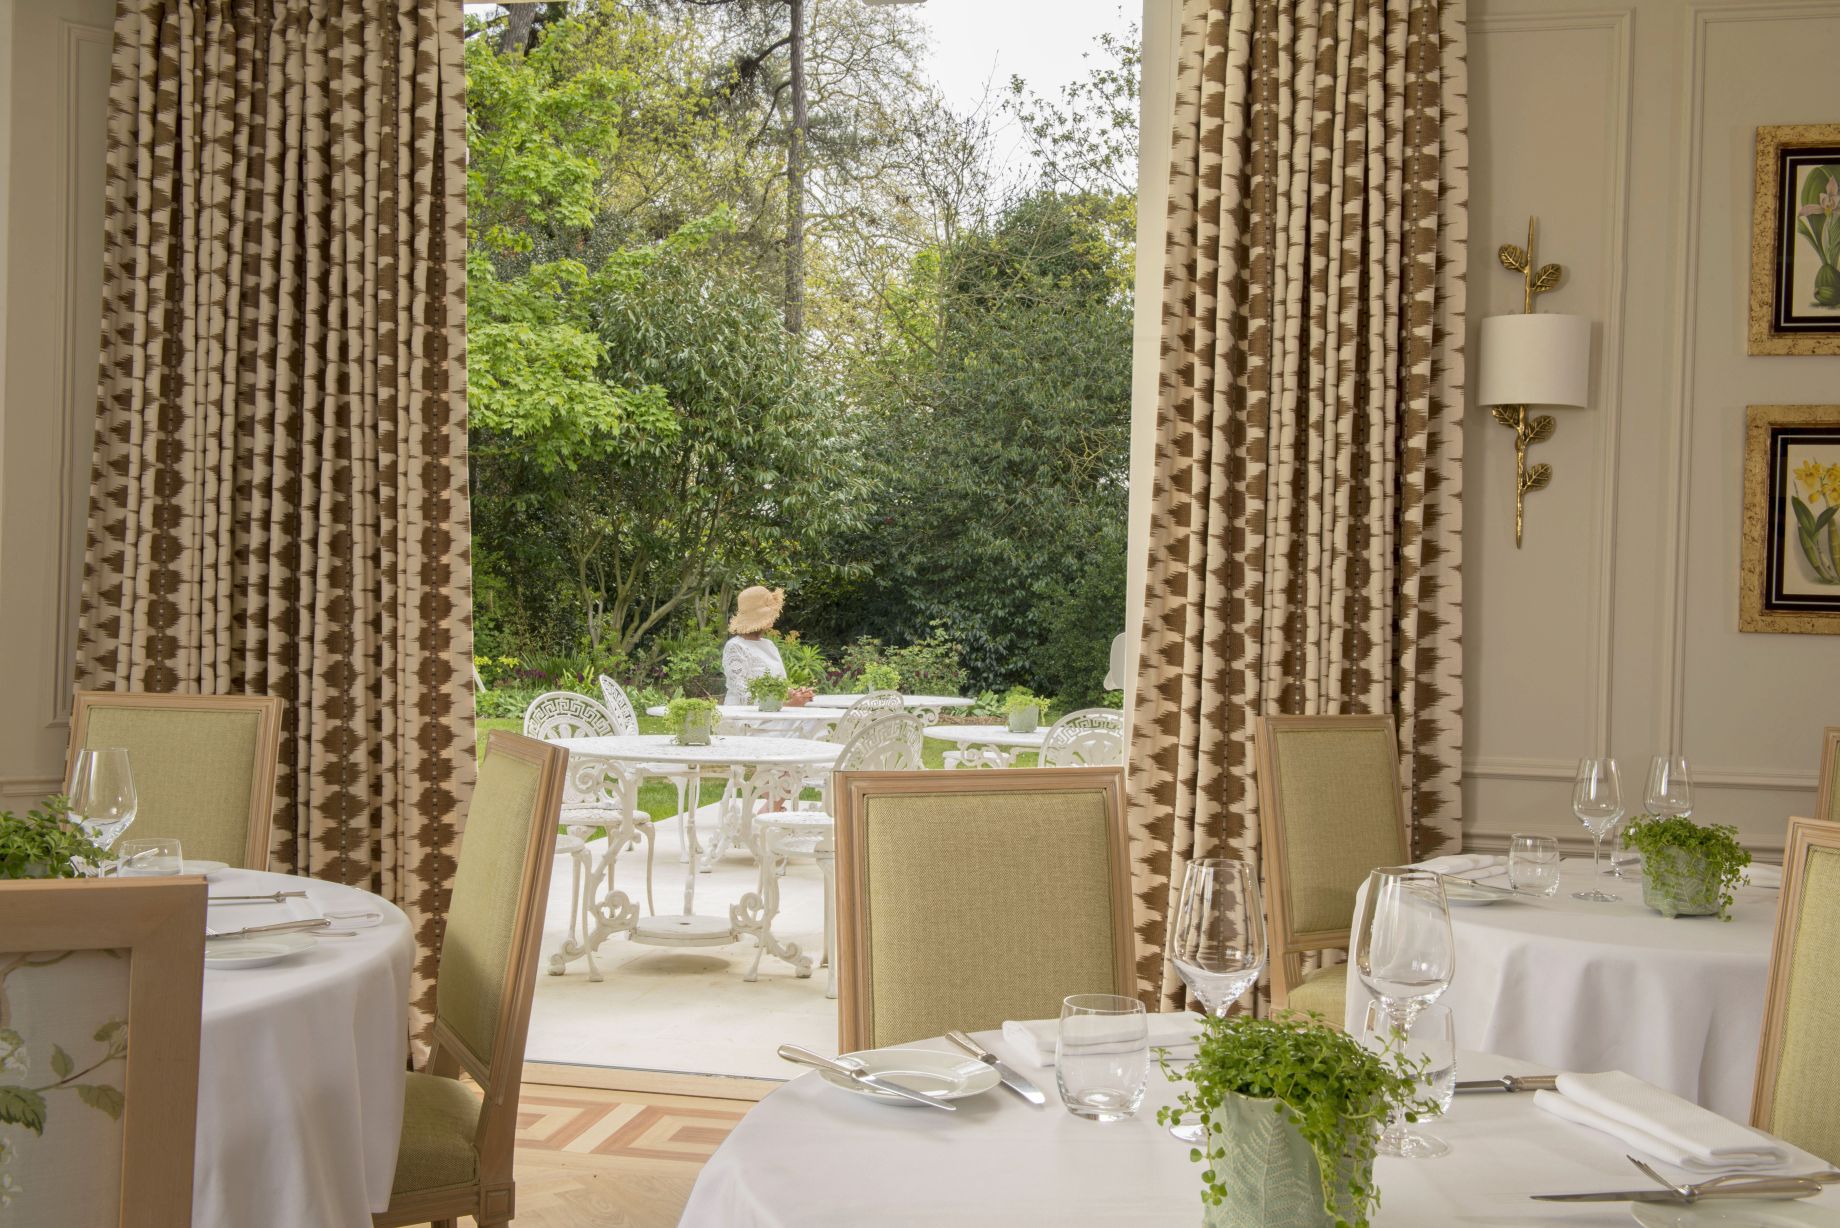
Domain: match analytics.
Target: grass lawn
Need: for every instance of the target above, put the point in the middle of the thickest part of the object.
(658, 799)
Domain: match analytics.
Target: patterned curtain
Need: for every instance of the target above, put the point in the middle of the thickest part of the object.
(279, 499)
(1305, 518)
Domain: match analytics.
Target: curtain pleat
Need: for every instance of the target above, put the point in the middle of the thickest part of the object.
(279, 502)
(1305, 516)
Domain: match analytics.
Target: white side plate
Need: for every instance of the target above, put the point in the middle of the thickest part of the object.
(1734, 1213)
(254, 952)
(941, 1076)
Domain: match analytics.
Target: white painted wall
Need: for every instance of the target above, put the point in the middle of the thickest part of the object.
(54, 75)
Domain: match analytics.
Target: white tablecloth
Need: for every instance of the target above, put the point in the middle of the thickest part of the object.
(810, 1156)
(1571, 985)
(300, 1077)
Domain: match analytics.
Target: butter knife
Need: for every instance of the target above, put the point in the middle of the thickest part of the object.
(805, 1057)
(1511, 1083)
(280, 927)
(1015, 1082)
(277, 897)
(1771, 1188)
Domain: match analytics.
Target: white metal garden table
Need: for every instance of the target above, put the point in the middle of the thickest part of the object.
(926, 707)
(758, 769)
(986, 745)
(806, 721)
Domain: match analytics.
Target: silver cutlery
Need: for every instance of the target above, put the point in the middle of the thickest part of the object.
(793, 1053)
(274, 898)
(1685, 1196)
(1015, 1082)
(1511, 1083)
(280, 927)
(1825, 1176)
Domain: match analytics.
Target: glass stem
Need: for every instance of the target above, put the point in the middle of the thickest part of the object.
(1597, 854)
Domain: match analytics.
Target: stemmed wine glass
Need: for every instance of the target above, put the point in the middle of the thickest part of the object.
(101, 793)
(1670, 787)
(1597, 800)
(1405, 954)
(1218, 946)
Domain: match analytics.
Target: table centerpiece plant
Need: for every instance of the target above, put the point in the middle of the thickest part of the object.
(768, 691)
(1022, 709)
(690, 720)
(1293, 1110)
(1688, 868)
(46, 843)
(879, 677)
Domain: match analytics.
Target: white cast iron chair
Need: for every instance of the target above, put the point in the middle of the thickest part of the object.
(1090, 737)
(589, 802)
(890, 743)
(626, 721)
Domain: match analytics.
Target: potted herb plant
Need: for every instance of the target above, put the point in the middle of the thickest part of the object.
(45, 844)
(880, 677)
(1022, 710)
(768, 692)
(1293, 1110)
(690, 720)
(1689, 869)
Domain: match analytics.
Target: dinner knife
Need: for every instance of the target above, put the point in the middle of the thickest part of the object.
(278, 897)
(280, 927)
(1782, 1188)
(1015, 1082)
(1511, 1083)
(793, 1053)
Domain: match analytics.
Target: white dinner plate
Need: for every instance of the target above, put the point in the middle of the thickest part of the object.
(206, 868)
(256, 952)
(1737, 1213)
(942, 1076)
(1462, 891)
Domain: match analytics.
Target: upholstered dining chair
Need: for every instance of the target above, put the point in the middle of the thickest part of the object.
(203, 765)
(101, 985)
(1827, 795)
(968, 898)
(455, 1157)
(1797, 1093)
(1089, 737)
(1330, 811)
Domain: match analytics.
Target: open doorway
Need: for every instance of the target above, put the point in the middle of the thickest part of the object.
(850, 318)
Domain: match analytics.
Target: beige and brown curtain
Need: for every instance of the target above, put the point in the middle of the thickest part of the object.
(280, 502)
(1304, 526)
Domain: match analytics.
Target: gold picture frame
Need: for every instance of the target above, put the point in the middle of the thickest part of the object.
(1789, 572)
(1795, 240)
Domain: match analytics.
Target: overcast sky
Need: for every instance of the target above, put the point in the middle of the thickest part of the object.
(1041, 41)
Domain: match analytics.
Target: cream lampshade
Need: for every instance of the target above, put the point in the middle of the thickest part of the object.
(1534, 360)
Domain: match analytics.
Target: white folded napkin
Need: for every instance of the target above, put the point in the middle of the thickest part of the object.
(1759, 875)
(1660, 1123)
(1178, 1032)
(1477, 867)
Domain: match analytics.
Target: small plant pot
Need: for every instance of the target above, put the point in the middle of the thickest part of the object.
(694, 733)
(1678, 883)
(770, 703)
(1271, 1173)
(1025, 720)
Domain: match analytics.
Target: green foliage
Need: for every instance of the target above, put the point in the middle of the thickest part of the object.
(682, 712)
(1716, 843)
(931, 665)
(768, 686)
(805, 662)
(1080, 616)
(1339, 1092)
(1021, 699)
(507, 702)
(693, 661)
(878, 676)
(44, 843)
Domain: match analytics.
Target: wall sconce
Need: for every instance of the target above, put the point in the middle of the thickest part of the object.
(1531, 359)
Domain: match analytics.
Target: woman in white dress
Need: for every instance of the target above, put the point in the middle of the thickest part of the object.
(749, 653)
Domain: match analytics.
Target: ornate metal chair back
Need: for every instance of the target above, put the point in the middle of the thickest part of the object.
(565, 714)
(620, 707)
(866, 711)
(1090, 737)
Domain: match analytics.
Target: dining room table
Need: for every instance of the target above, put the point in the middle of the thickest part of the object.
(812, 1155)
(301, 1062)
(1575, 984)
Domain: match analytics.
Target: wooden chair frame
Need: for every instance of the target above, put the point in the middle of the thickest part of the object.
(492, 1199)
(161, 922)
(1804, 835)
(851, 791)
(268, 747)
(1827, 789)
(1287, 946)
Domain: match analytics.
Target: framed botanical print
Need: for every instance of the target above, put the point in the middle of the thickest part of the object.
(1795, 241)
(1790, 578)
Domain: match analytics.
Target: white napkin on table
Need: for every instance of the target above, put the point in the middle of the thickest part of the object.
(1477, 867)
(1660, 1123)
(1759, 875)
(1178, 1032)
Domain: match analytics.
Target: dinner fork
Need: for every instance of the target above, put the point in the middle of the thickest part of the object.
(1825, 1177)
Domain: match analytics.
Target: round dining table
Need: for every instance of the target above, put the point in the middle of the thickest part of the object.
(1575, 985)
(986, 745)
(301, 1063)
(926, 707)
(812, 1156)
(797, 720)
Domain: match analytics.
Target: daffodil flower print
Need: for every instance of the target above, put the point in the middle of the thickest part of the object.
(1815, 509)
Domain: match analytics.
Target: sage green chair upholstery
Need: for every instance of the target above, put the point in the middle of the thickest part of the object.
(1330, 811)
(965, 899)
(455, 1157)
(1797, 1094)
(203, 765)
(1827, 797)
(105, 979)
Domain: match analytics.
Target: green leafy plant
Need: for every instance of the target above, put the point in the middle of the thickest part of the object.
(684, 711)
(879, 677)
(43, 844)
(1338, 1092)
(1714, 844)
(768, 686)
(1020, 698)
(805, 662)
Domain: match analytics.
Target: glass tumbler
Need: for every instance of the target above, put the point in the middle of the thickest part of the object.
(1533, 864)
(1102, 1056)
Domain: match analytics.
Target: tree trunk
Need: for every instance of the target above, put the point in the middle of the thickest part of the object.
(795, 179)
(519, 19)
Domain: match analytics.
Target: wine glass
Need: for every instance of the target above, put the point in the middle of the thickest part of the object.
(1670, 787)
(1432, 1040)
(1403, 949)
(101, 793)
(1597, 800)
(1218, 945)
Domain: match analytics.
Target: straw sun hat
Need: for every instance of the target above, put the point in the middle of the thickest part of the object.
(756, 609)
